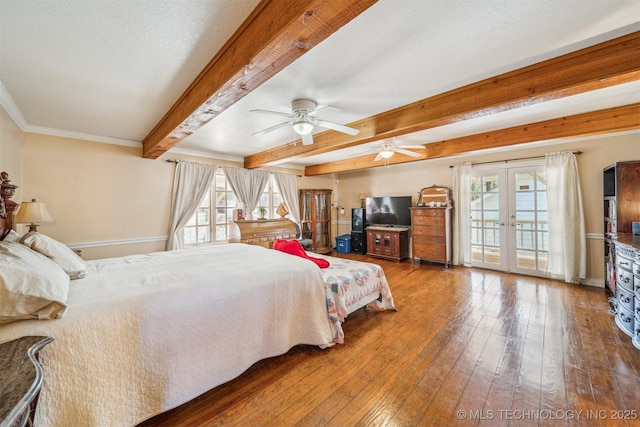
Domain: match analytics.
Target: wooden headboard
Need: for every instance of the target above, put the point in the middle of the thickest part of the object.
(8, 207)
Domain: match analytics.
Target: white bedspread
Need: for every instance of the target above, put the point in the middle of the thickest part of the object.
(146, 333)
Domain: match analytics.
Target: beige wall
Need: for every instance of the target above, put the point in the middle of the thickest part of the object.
(11, 150)
(106, 199)
(109, 201)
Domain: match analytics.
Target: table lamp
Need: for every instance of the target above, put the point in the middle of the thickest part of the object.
(33, 213)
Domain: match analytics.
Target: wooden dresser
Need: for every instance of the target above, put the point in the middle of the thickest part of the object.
(431, 226)
(261, 232)
(431, 233)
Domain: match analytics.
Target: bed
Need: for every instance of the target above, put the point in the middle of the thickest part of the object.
(142, 334)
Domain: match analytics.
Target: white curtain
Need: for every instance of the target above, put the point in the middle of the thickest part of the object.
(461, 215)
(567, 237)
(288, 185)
(191, 181)
(247, 185)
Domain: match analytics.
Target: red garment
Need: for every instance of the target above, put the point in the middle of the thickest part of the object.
(293, 247)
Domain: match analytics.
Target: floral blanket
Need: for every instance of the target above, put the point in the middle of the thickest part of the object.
(351, 285)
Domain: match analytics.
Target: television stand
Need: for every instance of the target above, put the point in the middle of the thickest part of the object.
(390, 243)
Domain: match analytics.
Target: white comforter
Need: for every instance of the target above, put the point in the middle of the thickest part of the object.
(146, 333)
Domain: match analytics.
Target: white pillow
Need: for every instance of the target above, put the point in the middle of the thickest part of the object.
(75, 266)
(12, 237)
(31, 285)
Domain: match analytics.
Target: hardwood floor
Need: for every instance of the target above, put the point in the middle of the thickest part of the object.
(466, 347)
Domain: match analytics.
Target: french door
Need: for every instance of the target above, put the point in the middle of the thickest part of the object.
(509, 229)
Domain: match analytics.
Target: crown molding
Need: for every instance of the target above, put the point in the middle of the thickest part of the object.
(10, 106)
(7, 102)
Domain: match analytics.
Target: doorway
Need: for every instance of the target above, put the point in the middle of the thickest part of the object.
(509, 222)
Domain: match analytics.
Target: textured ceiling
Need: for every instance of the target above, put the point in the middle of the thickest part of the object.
(110, 70)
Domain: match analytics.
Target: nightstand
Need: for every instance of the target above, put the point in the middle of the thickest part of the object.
(22, 376)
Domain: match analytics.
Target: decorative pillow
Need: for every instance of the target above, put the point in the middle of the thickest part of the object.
(75, 266)
(31, 285)
(293, 247)
(12, 237)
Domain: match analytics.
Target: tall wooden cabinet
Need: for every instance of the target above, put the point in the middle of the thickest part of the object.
(431, 226)
(621, 182)
(621, 191)
(315, 215)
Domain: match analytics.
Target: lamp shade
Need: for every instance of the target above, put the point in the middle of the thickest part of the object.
(386, 153)
(33, 213)
(282, 209)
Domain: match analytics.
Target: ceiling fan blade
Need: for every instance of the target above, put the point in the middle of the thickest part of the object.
(307, 139)
(338, 127)
(324, 107)
(412, 147)
(272, 128)
(275, 113)
(378, 158)
(407, 152)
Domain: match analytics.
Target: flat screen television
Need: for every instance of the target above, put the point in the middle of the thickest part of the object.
(389, 211)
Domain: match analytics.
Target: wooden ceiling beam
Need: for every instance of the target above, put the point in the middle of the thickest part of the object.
(603, 65)
(618, 119)
(275, 34)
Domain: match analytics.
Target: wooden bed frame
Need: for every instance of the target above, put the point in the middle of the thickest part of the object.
(8, 207)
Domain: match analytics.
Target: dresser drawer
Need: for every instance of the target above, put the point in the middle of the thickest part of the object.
(436, 239)
(624, 259)
(625, 320)
(429, 212)
(426, 230)
(625, 298)
(430, 252)
(624, 278)
(435, 221)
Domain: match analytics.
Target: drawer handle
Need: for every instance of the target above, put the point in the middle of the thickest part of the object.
(624, 279)
(623, 263)
(625, 319)
(625, 299)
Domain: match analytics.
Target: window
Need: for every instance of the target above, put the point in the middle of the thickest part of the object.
(211, 221)
(270, 199)
(213, 217)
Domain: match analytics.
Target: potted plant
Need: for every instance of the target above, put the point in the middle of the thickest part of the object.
(262, 211)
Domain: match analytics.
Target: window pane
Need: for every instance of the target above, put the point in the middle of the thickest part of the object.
(203, 216)
(221, 232)
(221, 182)
(189, 235)
(221, 215)
(204, 234)
(205, 201)
(231, 199)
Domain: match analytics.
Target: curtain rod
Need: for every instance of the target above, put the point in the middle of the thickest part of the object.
(577, 153)
(175, 161)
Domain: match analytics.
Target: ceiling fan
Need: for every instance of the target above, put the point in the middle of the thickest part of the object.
(389, 148)
(302, 120)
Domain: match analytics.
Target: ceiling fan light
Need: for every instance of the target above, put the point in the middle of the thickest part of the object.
(302, 127)
(386, 154)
